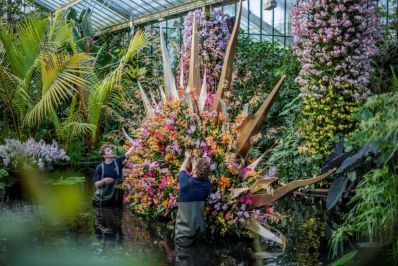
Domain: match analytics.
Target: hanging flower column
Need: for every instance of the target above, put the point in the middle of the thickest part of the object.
(334, 42)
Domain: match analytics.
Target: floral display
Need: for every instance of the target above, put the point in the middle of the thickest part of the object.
(213, 36)
(190, 118)
(39, 153)
(334, 42)
(155, 163)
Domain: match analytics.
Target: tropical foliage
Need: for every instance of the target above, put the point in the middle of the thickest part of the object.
(375, 203)
(47, 81)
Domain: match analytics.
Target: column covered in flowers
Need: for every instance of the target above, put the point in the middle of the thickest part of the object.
(334, 41)
(213, 40)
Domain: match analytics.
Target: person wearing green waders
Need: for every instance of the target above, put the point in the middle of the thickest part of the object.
(107, 176)
(194, 191)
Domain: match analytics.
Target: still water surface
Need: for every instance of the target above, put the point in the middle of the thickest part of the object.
(110, 236)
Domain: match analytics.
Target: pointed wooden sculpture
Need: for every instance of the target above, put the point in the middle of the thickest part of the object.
(226, 73)
(168, 77)
(193, 87)
(254, 164)
(203, 93)
(162, 95)
(147, 104)
(256, 227)
(254, 123)
(267, 198)
(261, 184)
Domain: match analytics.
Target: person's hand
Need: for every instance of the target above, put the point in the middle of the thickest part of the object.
(188, 154)
(129, 151)
(108, 180)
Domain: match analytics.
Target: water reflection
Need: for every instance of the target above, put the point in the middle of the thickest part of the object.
(112, 233)
(108, 225)
(191, 255)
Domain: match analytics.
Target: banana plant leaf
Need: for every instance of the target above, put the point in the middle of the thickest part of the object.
(336, 191)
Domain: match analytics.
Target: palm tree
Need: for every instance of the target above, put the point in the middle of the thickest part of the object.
(46, 80)
(106, 94)
(48, 74)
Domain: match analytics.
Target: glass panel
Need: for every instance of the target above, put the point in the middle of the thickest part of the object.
(255, 37)
(279, 18)
(255, 16)
(245, 16)
(230, 10)
(267, 22)
(289, 41)
(289, 6)
(61, 2)
(267, 38)
(48, 5)
(243, 23)
(148, 6)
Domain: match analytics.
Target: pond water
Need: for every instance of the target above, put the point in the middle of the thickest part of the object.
(111, 236)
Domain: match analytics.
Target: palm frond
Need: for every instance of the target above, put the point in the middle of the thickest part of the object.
(60, 76)
(100, 93)
(77, 129)
(30, 34)
(8, 85)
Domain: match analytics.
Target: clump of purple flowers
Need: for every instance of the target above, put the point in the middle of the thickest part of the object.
(334, 41)
(13, 152)
(213, 40)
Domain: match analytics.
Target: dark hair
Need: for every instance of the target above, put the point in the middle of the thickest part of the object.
(202, 168)
(103, 147)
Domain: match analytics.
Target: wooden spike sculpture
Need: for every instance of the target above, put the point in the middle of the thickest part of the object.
(267, 198)
(249, 127)
(227, 68)
(193, 88)
(254, 123)
(168, 77)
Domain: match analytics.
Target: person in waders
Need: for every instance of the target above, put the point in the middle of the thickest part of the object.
(107, 176)
(194, 191)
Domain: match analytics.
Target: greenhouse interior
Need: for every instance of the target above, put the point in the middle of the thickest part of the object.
(205, 132)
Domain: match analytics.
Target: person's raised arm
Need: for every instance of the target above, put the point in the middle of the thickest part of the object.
(129, 151)
(185, 163)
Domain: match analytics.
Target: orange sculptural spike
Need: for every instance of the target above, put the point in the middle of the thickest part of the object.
(253, 125)
(226, 73)
(194, 70)
(267, 198)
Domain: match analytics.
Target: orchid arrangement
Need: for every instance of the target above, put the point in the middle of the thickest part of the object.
(192, 118)
(160, 142)
(38, 153)
(334, 42)
(213, 36)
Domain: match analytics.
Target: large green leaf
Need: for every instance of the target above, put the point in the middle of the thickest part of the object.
(100, 94)
(60, 76)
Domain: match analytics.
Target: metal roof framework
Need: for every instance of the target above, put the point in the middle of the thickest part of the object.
(111, 15)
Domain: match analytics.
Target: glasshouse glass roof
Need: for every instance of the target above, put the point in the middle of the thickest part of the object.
(108, 15)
